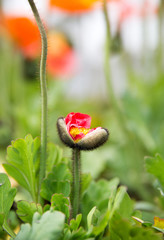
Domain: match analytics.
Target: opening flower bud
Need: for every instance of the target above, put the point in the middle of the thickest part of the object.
(75, 132)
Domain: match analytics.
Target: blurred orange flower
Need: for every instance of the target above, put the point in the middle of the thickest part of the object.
(24, 32)
(74, 5)
(61, 59)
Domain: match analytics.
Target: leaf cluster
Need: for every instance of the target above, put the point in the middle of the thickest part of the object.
(106, 209)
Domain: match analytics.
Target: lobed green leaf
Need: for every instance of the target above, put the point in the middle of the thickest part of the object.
(7, 195)
(23, 163)
(26, 210)
(60, 203)
(49, 226)
(58, 181)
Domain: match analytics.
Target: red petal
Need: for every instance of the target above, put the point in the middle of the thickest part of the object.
(77, 120)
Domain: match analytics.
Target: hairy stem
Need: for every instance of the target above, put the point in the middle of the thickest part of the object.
(43, 86)
(76, 182)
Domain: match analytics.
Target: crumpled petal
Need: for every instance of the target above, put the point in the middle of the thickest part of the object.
(78, 120)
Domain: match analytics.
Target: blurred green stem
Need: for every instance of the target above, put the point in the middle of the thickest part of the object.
(113, 99)
(160, 45)
(76, 182)
(107, 57)
(43, 86)
(132, 148)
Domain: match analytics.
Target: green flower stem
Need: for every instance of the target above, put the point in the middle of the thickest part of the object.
(160, 45)
(43, 86)
(76, 182)
(107, 57)
(114, 102)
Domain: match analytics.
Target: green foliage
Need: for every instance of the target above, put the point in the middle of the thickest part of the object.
(13, 220)
(26, 210)
(121, 229)
(90, 217)
(60, 203)
(118, 203)
(122, 204)
(23, 163)
(49, 226)
(97, 194)
(58, 181)
(73, 231)
(55, 156)
(155, 166)
(23, 158)
(7, 195)
(86, 179)
(75, 223)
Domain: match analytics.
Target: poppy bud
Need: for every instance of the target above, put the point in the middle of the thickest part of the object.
(74, 132)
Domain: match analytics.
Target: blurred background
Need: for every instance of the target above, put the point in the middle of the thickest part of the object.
(130, 103)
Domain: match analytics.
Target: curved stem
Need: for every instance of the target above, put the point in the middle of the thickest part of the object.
(76, 182)
(43, 86)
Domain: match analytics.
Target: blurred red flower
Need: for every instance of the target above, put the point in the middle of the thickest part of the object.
(61, 59)
(24, 32)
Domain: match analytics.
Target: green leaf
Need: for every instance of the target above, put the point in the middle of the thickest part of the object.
(23, 163)
(2, 216)
(120, 225)
(119, 204)
(74, 223)
(60, 203)
(73, 231)
(46, 208)
(90, 216)
(101, 224)
(13, 219)
(123, 205)
(98, 194)
(26, 210)
(121, 229)
(155, 166)
(24, 233)
(49, 226)
(58, 181)
(7, 195)
(54, 156)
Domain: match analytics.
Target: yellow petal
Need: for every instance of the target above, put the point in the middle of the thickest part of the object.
(159, 222)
